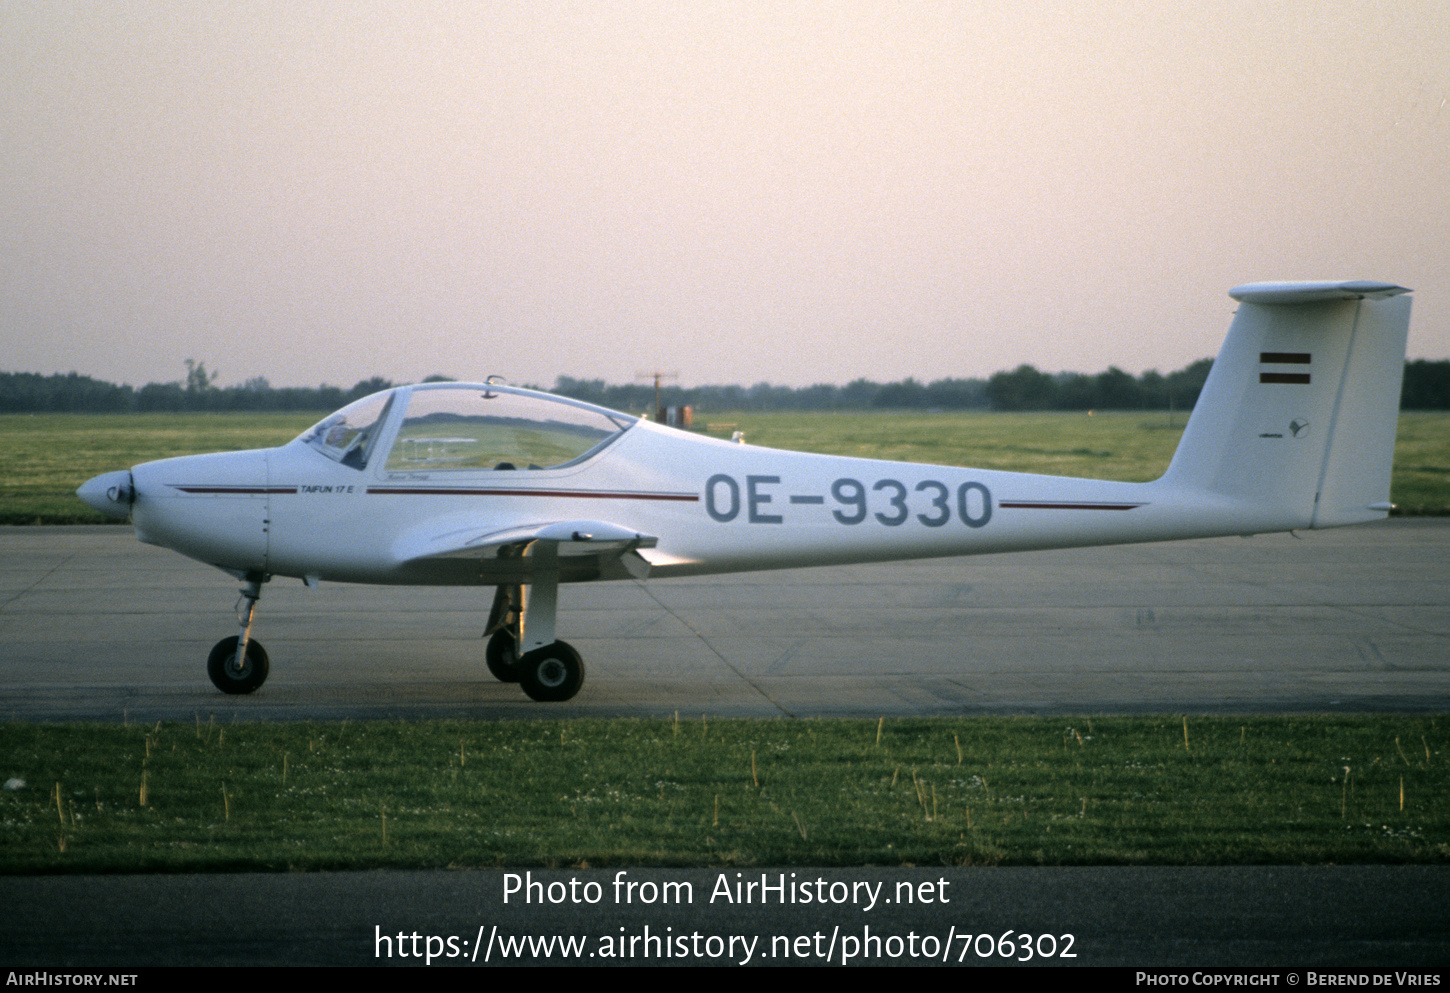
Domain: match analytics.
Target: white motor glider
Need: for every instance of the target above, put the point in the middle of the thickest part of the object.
(483, 484)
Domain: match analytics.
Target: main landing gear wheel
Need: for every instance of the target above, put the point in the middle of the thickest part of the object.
(552, 673)
(502, 657)
(231, 675)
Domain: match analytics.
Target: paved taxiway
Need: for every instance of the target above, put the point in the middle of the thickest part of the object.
(94, 625)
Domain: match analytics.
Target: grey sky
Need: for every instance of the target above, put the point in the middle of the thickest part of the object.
(794, 192)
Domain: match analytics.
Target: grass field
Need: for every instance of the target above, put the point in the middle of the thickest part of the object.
(47, 456)
(928, 792)
(1100, 790)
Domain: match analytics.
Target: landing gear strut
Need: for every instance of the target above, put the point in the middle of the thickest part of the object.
(502, 656)
(238, 664)
(547, 670)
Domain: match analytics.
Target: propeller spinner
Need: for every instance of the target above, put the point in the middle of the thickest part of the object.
(111, 493)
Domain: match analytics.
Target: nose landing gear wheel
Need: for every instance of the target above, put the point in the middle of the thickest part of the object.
(552, 673)
(231, 675)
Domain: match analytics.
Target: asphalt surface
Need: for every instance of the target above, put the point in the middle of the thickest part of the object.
(94, 626)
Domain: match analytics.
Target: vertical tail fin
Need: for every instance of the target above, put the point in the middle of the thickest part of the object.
(1298, 415)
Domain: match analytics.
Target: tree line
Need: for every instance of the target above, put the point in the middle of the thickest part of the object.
(28, 392)
(1426, 387)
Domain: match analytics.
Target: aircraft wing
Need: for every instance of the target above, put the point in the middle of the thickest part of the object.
(611, 543)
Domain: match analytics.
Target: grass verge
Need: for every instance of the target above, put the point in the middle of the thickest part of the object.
(1050, 791)
(47, 456)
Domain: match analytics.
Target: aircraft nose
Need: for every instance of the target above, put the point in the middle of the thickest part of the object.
(111, 493)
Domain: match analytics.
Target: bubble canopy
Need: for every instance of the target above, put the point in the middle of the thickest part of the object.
(464, 426)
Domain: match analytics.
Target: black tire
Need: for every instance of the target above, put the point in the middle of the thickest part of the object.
(552, 673)
(228, 676)
(502, 657)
